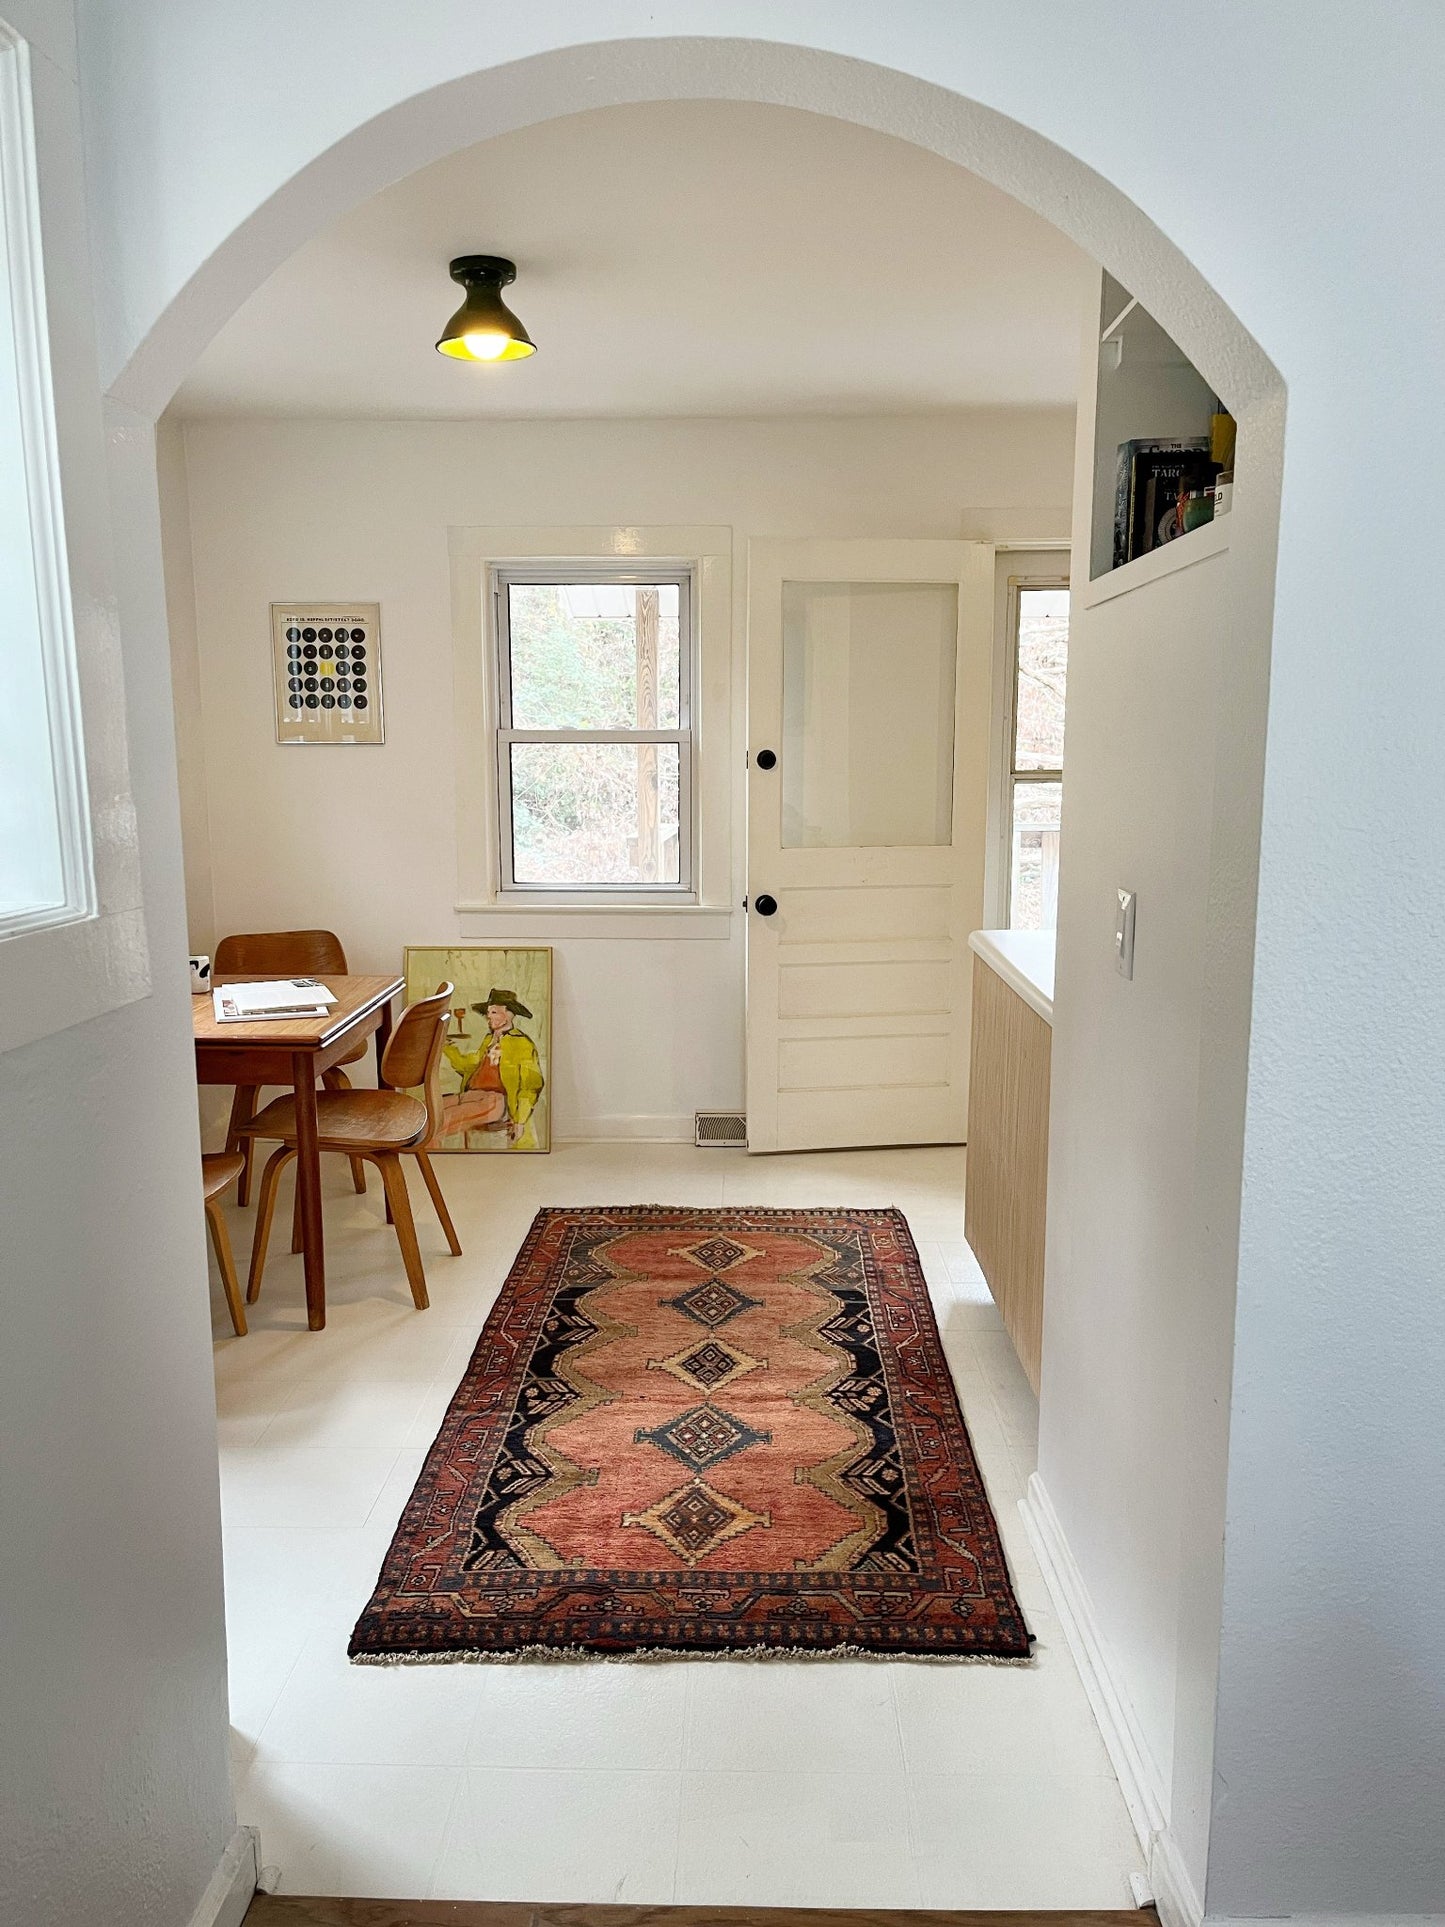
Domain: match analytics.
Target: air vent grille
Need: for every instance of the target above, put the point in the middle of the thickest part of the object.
(721, 1127)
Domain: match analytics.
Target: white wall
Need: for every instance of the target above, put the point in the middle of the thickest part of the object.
(1322, 149)
(364, 841)
(114, 1784)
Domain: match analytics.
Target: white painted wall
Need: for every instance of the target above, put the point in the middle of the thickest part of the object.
(364, 842)
(1322, 150)
(114, 1782)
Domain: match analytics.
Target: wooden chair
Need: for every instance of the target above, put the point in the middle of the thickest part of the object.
(218, 1169)
(380, 1126)
(285, 953)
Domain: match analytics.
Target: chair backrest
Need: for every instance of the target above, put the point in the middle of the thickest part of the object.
(414, 1054)
(280, 953)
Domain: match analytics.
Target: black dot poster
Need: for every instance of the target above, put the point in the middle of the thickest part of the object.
(326, 658)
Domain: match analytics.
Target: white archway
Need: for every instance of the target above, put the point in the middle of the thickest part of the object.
(497, 100)
(1098, 217)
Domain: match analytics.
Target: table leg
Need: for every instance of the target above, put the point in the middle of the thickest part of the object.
(383, 1037)
(308, 1187)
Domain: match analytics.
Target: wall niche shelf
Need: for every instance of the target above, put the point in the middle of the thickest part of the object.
(1148, 392)
(1183, 553)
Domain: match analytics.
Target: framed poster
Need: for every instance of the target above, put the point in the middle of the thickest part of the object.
(326, 662)
(497, 1058)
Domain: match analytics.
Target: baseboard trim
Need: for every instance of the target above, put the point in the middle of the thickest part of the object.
(1327, 1920)
(1139, 1780)
(232, 1887)
(649, 1127)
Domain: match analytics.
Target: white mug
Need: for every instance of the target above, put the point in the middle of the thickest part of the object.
(200, 976)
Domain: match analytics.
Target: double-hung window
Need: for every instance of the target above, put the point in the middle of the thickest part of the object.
(1038, 663)
(595, 672)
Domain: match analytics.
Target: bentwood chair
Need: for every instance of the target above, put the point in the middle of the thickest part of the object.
(283, 953)
(380, 1126)
(218, 1168)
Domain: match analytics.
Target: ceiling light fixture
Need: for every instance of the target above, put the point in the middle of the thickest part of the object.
(484, 327)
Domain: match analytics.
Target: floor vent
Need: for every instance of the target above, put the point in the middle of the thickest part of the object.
(722, 1127)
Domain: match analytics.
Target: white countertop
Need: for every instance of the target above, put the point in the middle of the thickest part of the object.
(1025, 961)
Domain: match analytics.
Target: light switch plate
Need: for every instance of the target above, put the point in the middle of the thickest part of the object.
(1124, 933)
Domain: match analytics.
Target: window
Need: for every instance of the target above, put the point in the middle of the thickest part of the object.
(1038, 665)
(45, 868)
(595, 673)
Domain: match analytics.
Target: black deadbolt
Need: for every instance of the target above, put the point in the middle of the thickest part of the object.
(767, 759)
(765, 905)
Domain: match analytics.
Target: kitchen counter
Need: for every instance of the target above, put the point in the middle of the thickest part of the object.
(1006, 1178)
(1025, 961)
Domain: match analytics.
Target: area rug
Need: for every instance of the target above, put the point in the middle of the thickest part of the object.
(701, 1432)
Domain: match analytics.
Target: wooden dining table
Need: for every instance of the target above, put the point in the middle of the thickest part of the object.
(295, 1051)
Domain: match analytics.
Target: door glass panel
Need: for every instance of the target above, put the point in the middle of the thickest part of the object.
(868, 692)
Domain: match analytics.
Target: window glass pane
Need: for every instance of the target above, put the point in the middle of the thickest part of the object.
(590, 813)
(594, 655)
(1034, 872)
(868, 690)
(32, 870)
(1042, 671)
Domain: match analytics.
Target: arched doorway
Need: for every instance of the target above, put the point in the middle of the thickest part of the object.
(426, 126)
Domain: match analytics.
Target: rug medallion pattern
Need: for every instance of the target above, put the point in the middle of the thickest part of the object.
(692, 1431)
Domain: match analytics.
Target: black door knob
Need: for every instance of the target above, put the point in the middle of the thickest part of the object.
(767, 759)
(765, 905)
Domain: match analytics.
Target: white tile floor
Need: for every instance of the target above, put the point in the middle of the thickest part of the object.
(832, 1783)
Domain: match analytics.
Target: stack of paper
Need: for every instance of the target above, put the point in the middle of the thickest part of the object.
(282, 997)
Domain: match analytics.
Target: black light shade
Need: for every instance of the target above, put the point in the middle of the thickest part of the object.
(484, 327)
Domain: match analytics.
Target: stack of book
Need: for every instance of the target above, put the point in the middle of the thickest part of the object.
(1152, 483)
(280, 997)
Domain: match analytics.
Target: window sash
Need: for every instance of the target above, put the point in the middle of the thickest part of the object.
(587, 575)
(1013, 775)
(24, 341)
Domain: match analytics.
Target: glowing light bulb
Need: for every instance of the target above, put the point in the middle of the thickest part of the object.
(489, 346)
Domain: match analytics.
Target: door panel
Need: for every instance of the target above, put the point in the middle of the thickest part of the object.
(844, 915)
(869, 680)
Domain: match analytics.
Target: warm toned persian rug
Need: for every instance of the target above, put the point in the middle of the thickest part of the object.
(701, 1432)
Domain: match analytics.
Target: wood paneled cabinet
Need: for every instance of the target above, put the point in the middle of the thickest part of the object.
(1006, 1190)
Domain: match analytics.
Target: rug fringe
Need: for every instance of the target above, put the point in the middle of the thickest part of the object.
(573, 1655)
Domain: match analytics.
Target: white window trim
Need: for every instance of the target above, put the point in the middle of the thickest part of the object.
(67, 966)
(648, 569)
(482, 908)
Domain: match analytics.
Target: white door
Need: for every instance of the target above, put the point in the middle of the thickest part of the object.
(868, 746)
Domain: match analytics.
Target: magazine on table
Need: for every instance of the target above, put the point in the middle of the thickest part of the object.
(282, 997)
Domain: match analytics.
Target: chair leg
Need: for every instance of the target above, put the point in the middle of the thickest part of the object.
(225, 1259)
(393, 1179)
(358, 1173)
(265, 1211)
(243, 1109)
(434, 1187)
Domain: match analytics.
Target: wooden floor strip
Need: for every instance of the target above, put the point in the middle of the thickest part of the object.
(280, 1910)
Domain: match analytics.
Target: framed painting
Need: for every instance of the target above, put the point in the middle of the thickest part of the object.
(497, 1058)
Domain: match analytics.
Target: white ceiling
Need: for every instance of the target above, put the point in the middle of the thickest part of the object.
(685, 258)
